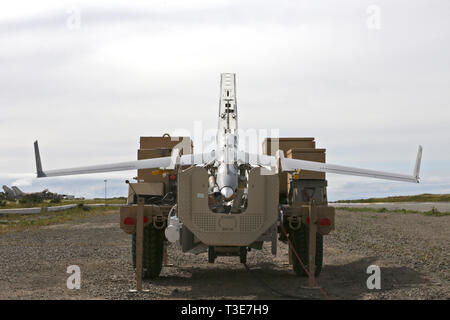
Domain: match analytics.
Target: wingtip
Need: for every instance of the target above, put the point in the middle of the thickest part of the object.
(39, 172)
(418, 163)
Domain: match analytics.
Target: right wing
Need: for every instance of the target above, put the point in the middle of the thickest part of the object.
(164, 162)
(296, 164)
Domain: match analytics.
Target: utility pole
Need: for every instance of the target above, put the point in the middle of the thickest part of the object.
(105, 191)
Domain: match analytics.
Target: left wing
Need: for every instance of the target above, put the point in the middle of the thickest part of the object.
(163, 162)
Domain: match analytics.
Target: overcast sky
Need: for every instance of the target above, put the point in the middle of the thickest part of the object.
(370, 80)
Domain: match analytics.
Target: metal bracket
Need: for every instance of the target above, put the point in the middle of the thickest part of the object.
(158, 218)
(175, 159)
(139, 244)
(279, 155)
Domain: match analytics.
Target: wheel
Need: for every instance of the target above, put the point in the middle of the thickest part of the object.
(243, 254)
(211, 254)
(300, 241)
(153, 252)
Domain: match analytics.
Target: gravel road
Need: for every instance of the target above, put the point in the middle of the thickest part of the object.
(412, 251)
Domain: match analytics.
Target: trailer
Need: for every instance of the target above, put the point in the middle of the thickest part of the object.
(275, 208)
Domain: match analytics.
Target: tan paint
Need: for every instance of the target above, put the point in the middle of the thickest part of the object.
(220, 229)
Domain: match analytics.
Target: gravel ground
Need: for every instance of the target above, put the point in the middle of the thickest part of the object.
(412, 251)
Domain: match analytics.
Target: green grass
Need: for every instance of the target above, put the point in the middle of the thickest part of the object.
(120, 200)
(48, 203)
(425, 197)
(20, 222)
(433, 212)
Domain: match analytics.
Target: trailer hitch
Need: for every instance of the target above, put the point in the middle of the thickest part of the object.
(294, 222)
(158, 219)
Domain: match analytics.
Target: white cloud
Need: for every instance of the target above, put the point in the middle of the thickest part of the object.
(22, 182)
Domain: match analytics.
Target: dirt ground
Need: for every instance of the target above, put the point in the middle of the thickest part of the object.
(412, 251)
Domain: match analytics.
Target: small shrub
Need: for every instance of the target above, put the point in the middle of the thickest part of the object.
(2, 203)
(434, 211)
(83, 207)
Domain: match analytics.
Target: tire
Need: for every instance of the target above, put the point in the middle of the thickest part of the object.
(300, 241)
(211, 254)
(243, 255)
(153, 252)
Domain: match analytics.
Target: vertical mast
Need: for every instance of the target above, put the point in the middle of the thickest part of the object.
(227, 104)
(227, 139)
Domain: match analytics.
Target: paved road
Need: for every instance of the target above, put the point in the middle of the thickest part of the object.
(418, 206)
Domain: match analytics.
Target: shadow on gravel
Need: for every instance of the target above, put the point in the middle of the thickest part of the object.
(349, 281)
(272, 281)
(232, 283)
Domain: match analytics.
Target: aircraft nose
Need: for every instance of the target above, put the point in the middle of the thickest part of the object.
(227, 192)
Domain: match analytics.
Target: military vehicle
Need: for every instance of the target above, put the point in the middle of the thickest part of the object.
(228, 201)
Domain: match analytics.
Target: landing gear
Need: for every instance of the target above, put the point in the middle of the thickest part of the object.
(152, 259)
(300, 241)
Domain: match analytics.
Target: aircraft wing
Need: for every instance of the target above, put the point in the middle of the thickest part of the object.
(164, 162)
(286, 164)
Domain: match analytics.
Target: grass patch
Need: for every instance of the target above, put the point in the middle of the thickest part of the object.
(425, 197)
(119, 200)
(433, 212)
(20, 222)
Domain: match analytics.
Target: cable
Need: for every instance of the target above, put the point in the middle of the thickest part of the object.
(303, 266)
(171, 210)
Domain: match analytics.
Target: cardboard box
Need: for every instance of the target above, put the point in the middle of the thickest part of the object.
(147, 176)
(156, 147)
(317, 155)
(153, 153)
(142, 189)
(287, 143)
